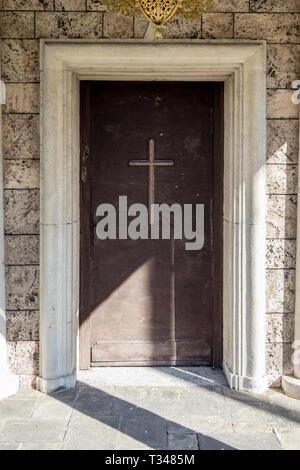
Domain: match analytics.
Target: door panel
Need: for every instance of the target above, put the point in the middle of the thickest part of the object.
(149, 301)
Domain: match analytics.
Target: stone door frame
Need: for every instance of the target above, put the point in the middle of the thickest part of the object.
(241, 65)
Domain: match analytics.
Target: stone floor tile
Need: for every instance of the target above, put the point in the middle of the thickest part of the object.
(9, 446)
(199, 424)
(183, 441)
(140, 432)
(289, 440)
(66, 396)
(27, 395)
(234, 441)
(51, 408)
(16, 409)
(250, 413)
(94, 403)
(178, 377)
(86, 433)
(170, 401)
(42, 446)
(33, 430)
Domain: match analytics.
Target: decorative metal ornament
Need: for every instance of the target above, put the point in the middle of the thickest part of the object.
(158, 12)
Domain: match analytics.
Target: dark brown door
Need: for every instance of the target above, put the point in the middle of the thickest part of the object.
(151, 301)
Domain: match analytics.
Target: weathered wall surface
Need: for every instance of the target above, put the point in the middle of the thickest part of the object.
(23, 23)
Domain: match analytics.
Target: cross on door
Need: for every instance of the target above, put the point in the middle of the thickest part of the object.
(151, 163)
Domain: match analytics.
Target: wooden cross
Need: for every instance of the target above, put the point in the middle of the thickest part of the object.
(151, 163)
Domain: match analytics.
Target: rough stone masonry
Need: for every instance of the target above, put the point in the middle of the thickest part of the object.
(22, 24)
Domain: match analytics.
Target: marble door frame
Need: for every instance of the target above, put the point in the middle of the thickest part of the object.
(241, 65)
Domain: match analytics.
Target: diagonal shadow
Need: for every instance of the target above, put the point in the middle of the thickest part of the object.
(256, 401)
(131, 421)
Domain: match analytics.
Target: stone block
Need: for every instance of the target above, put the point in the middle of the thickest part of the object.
(280, 328)
(140, 26)
(217, 26)
(282, 179)
(21, 211)
(22, 288)
(273, 27)
(280, 105)
(281, 216)
(20, 60)
(68, 25)
(117, 26)
(274, 6)
(283, 65)
(23, 357)
(280, 291)
(22, 249)
(95, 5)
(27, 382)
(21, 174)
(282, 141)
(21, 136)
(278, 362)
(233, 6)
(17, 24)
(183, 28)
(22, 98)
(70, 5)
(281, 254)
(23, 325)
(28, 4)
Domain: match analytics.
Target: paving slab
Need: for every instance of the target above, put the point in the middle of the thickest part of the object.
(168, 401)
(10, 446)
(33, 430)
(148, 376)
(16, 409)
(250, 413)
(153, 409)
(52, 408)
(42, 446)
(94, 403)
(183, 441)
(142, 432)
(235, 441)
(87, 433)
(29, 394)
(198, 423)
(65, 396)
(289, 440)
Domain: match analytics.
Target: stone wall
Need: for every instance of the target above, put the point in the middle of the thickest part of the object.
(23, 23)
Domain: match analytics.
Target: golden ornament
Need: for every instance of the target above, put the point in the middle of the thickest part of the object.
(158, 12)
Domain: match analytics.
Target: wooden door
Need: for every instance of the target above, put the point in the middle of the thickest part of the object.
(151, 301)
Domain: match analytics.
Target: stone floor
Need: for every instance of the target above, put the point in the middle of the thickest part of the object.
(150, 408)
